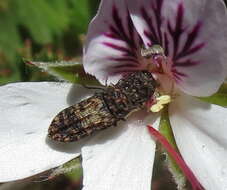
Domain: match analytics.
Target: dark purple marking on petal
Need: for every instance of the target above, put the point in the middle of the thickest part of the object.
(154, 24)
(181, 37)
(132, 66)
(125, 32)
(152, 38)
(125, 59)
(175, 29)
(121, 30)
(151, 34)
(166, 46)
(177, 78)
(194, 49)
(192, 36)
(131, 30)
(125, 50)
(115, 32)
(178, 75)
(187, 63)
(178, 30)
(127, 67)
(188, 48)
(190, 51)
(111, 35)
(157, 12)
(123, 71)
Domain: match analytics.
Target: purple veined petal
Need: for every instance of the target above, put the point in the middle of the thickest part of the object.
(200, 132)
(113, 46)
(187, 30)
(26, 111)
(147, 18)
(123, 162)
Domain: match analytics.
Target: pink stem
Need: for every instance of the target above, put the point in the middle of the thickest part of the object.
(177, 157)
(28, 62)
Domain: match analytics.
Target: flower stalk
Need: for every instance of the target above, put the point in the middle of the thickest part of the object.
(176, 156)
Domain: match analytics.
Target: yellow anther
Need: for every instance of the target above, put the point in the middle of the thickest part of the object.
(165, 99)
(156, 107)
(161, 101)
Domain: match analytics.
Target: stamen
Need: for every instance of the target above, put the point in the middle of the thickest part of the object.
(165, 99)
(177, 157)
(156, 60)
(161, 101)
(156, 107)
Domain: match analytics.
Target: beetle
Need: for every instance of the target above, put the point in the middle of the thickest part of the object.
(104, 109)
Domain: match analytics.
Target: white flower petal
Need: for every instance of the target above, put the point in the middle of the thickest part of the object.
(187, 32)
(26, 110)
(200, 132)
(123, 162)
(209, 118)
(112, 43)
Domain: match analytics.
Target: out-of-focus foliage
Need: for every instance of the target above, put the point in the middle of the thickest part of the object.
(71, 71)
(43, 30)
(219, 98)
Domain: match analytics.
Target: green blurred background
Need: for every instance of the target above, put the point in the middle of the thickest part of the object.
(44, 30)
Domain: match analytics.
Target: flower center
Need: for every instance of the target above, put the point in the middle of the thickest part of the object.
(161, 67)
(156, 60)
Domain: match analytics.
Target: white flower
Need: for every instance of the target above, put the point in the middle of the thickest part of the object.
(112, 156)
(194, 64)
(193, 34)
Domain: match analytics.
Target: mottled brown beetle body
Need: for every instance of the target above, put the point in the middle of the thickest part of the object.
(104, 109)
